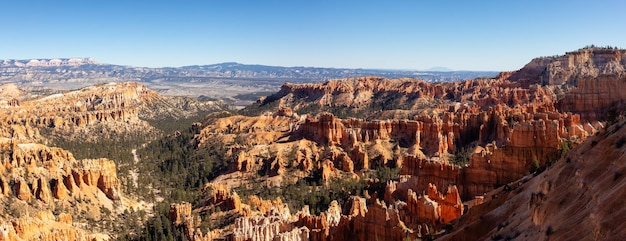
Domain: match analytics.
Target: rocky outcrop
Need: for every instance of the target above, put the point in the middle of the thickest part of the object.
(592, 78)
(592, 75)
(102, 174)
(571, 67)
(380, 98)
(380, 223)
(22, 191)
(354, 92)
(35, 177)
(467, 138)
(579, 197)
(596, 97)
(367, 219)
(430, 207)
(267, 227)
(179, 212)
(10, 95)
(376, 224)
(450, 203)
(53, 172)
(260, 130)
(44, 226)
(115, 109)
(181, 215)
(111, 109)
(422, 208)
(508, 143)
(220, 196)
(512, 139)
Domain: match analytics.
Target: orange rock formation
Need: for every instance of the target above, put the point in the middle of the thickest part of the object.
(37, 177)
(511, 125)
(580, 197)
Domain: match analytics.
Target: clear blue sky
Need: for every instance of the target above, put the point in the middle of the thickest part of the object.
(461, 35)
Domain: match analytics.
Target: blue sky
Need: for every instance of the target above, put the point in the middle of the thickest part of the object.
(461, 35)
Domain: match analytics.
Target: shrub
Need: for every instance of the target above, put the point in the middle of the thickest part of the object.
(536, 168)
(462, 156)
(385, 174)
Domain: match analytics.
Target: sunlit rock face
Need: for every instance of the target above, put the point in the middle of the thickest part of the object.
(47, 193)
(588, 179)
(48, 178)
(503, 128)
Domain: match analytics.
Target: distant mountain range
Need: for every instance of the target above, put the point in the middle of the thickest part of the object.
(231, 80)
(86, 68)
(47, 62)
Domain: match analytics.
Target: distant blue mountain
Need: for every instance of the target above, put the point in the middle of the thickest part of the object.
(234, 70)
(24, 70)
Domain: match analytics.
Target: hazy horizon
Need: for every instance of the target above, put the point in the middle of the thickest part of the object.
(404, 35)
(431, 69)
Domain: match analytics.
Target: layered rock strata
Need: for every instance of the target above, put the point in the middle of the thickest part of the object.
(116, 109)
(580, 197)
(37, 177)
(467, 138)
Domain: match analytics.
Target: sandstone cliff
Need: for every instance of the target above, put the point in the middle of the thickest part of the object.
(45, 225)
(465, 138)
(583, 82)
(116, 109)
(571, 67)
(509, 141)
(580, 197)
(85, 194)
(36, 177)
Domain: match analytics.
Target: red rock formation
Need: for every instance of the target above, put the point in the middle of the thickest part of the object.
(266, 227)
(429, 172)
(509, 125)
(423, 209)
(44, 226)
(22, 191)
(179, 212)
(47, 176)
(580, 197)
(50, 178)
(355, 206)
(110, 102)
(379, 223)
(221, 196)
(568, 68)
(517, 134)
(509, 141)
(450, 203)
(355, 92)
(596, 98)
(109, 108)
(101, 173)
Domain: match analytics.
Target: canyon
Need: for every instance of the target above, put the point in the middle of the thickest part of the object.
(529, 154)
(579, 197)
(468, 138)
(48, 194)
